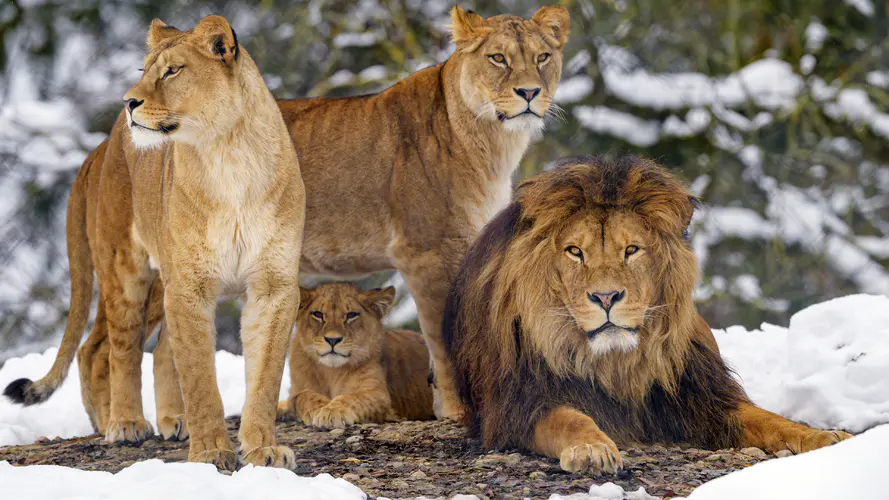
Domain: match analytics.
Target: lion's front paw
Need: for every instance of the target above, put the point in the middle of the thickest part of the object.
(286, 411)
(223, 459)
(333, 416)
(173, 428)
(128, 431)
(271, 456)
(593, 458)
(820, 439)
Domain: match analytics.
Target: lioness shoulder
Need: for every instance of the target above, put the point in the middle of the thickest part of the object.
(346, 367)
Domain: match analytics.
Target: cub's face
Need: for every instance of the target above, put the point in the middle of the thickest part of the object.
(607, 276)
(510, 66)
(340, 325)
(188, 91)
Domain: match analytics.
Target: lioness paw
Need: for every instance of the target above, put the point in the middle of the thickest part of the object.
(173, 428)
(271, 456)
(333, 416)
(820, 439)
(128, 431)
(593, 458)
(224, 460)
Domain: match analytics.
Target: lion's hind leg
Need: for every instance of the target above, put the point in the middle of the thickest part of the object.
(172, 424)
(576, 440)
(773, 433)
(92, 362)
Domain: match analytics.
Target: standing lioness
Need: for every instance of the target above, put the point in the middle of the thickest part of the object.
(200, 180)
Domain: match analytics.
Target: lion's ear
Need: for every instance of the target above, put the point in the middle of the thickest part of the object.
(378, 300)
(693, 204)
(158, 32)
(305, 296)
(467, 29)
(219, 37)
(556, 22)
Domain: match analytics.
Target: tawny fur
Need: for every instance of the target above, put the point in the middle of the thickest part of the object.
(525, 325)
(409, 179)
(370, 374)
(199, 179)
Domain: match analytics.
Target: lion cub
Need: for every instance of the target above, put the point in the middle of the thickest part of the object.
(346, 367)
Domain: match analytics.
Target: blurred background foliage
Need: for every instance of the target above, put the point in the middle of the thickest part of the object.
(773, 111)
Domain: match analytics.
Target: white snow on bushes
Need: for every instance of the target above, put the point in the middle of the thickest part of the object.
(154, 479)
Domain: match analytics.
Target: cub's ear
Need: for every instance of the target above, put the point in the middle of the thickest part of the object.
(468, 29)
(555, 22)
(158, 32)
(219, 37)
(305, 296)
(378, 300)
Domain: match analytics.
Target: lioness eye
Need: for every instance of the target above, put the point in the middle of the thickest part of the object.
(542, 58)
(575, 252)
(630, 250)
(171, 71)
(351, 315)
(318, 315)
(498, 58)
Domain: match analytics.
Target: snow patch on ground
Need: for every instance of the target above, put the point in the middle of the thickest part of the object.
(607, 491)
(179, 481)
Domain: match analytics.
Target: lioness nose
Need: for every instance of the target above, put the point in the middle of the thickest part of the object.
(527, 94)
(333, 341)
(132, 104)
(606, 300)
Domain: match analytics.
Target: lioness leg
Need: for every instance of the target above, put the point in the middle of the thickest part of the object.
(773, 433)
(266, 323)
(92, 362)
(189, 307)
(577, 442)
(171, 422)
(125, 290)
(428, 276)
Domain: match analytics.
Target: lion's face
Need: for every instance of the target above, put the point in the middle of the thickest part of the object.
(188, 91)
(340, 325)
(510, 66)
(606, 277)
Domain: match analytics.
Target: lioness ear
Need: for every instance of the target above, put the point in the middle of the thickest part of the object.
(220, 38)
(467, 29)
(305, 296)
(555, 22)
(378, 300)
(158, 32)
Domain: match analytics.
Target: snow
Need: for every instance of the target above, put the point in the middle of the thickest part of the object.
(642, 133)
(866, 7)
(573, 89)
(816, 33)
(607, 491)
(829, 369)
(855, 468)
(172, 481)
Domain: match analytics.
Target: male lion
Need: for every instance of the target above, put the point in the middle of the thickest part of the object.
(571, 325)
(346, 367)
(200, 180)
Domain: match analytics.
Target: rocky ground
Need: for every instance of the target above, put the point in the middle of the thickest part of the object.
(410, 459)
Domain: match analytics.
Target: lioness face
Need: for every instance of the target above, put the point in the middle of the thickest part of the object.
(340, 325)
(607, 277)
(510, 66)
(188, 85)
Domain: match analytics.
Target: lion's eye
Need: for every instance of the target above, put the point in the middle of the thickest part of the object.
(172, 70)
(542, 58)
(497, 58)
(630, 250)
(575, 252)
(318, 315)
(350, 316)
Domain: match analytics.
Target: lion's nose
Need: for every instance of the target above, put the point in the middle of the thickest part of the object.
(606, 300)
(132, 104)
(333, 341)
(527, 94)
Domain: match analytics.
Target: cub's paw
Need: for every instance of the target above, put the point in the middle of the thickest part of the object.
(333, 416)
(286, 411)
(128, 431)
(173, 428)
(592, 458)
(819, 439)
(270, 456)
(224, 460)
